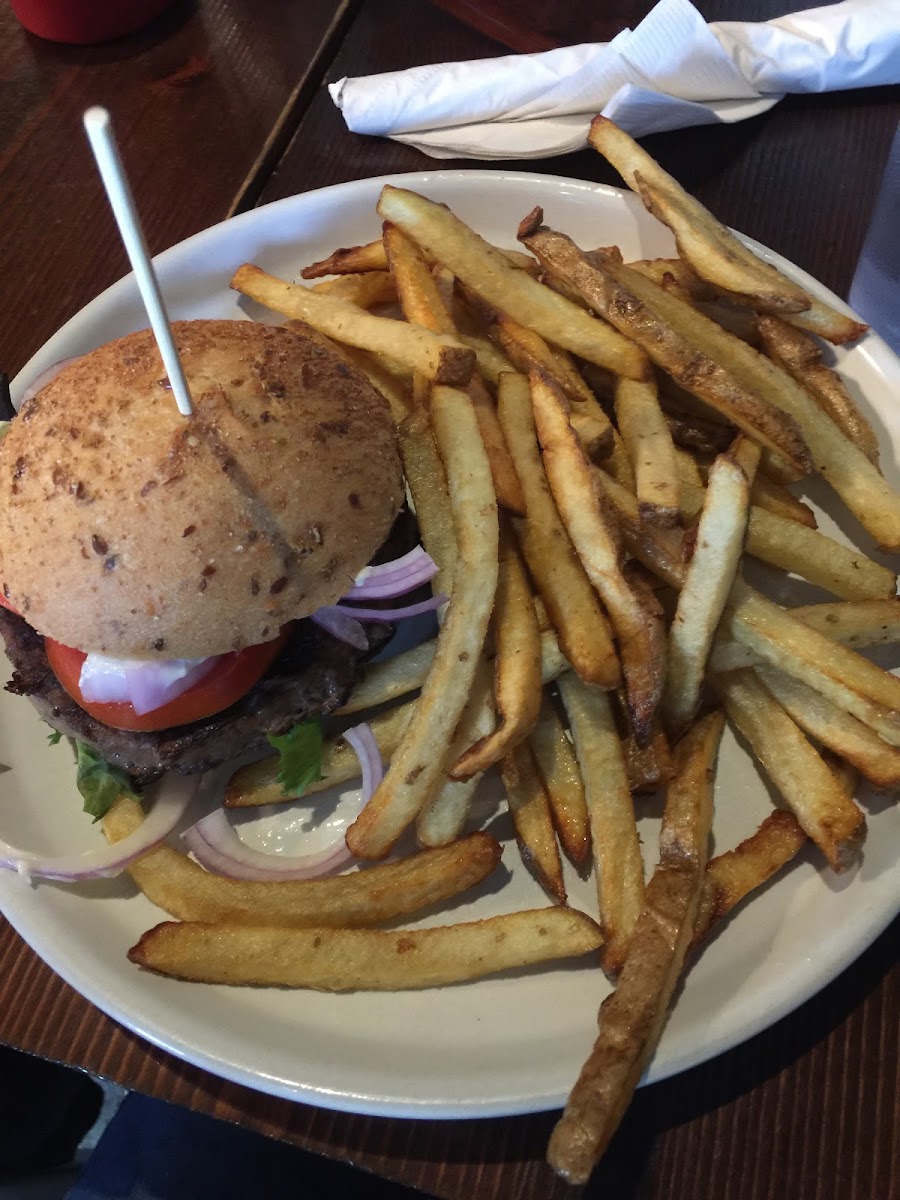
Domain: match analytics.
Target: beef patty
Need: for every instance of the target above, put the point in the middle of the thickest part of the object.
(311, 677)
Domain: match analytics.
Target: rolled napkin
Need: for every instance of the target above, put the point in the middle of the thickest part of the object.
(672, 71)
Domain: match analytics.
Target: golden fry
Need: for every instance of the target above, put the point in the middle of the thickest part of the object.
(345, 960)
(181, 888)
(423, 305)
(731, 876)
(651, 450)
(834, 822)
(798, 353)
(632, 1018)
(698, 353)
(529, 806)
(710, 575)
(579, 505)
(443, 359)
(489, 273)
(571, 602)
(710, 248)
(558, 765)
(835, 729)
(517, 665)
(417, 765)
(618, 865)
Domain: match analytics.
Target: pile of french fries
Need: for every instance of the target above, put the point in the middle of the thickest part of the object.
(592, 448)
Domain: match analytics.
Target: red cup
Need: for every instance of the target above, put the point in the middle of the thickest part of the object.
(83, 22)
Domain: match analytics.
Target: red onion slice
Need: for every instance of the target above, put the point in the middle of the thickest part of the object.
(397, 614)
(217, 847)
(176, 793)
(362, 741)
(48, 374)
(395, 585)
(341, 625)
(398, 566)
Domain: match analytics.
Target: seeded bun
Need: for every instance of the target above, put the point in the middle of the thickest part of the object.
(130, 530)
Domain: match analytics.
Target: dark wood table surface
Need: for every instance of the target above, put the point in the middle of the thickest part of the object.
(222, 105)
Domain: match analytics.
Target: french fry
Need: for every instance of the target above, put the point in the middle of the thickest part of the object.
(366, 289)
(764, 493)
(529, 806)
(445, 813)
(418, 763)
(181, 888)
(775, 498)
(840, 461)
(579, 505)
(443, 359)
(857, 624)
(783, 542)
(710, 575)
(618, 865)
(427, 483)
(345, 960)
(632, 1018)
(837, 730)
(839, 569)
(798, 354)
(528, 351)
(389, 679)
(731, 876)
(373, 257)
(349, 260)
(834, 670)
(517, 665)
(649, 444)
(257, 783)
(772, 633)
(619, 464)
(511, 290)
(684, 275)
(558, 765)
(832, 820)
(689, 477)
(711, 249)
(698, 353)
(423, 305)
(648, 767)
(491, 360)
(571, 602)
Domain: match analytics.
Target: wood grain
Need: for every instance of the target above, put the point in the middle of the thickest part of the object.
(197, 99)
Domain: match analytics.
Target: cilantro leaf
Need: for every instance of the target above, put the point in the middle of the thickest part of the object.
(54, 738)
(301, 757)
(100, 783)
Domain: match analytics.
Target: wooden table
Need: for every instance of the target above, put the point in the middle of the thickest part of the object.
(221, 106)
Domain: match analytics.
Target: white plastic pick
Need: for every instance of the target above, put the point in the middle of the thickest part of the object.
(98, 127)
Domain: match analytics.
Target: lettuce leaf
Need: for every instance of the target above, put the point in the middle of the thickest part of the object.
(300, 762)
(99, 782)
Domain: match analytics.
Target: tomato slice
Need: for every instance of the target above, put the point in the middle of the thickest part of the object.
(231, 677)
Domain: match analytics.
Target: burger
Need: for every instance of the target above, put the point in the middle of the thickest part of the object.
(163, 577)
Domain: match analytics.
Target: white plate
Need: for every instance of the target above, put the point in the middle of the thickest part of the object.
(504, 1045)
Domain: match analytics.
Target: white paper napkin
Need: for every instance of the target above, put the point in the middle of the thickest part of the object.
(673, 70)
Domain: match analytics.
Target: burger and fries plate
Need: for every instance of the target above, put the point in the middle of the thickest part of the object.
(503, 1045)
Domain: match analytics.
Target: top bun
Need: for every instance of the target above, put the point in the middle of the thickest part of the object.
(130, 530)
